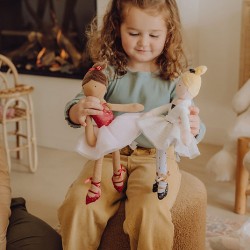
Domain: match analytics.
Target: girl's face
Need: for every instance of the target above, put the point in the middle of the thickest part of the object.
(143, 37)
(94, 88)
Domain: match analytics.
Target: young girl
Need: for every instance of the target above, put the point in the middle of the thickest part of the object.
(173, 128)
(142, 43)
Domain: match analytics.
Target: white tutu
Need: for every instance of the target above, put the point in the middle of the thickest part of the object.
(163, 131)
(122, 131)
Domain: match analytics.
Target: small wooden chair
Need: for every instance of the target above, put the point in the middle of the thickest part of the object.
(16, 114)
(242, 177)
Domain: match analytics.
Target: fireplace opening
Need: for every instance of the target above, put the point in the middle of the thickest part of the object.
(46, 37)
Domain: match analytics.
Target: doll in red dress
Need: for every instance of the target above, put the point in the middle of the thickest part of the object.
(105, 133)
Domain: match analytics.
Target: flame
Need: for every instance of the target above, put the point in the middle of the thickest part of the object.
(64, 54)
(39, 56)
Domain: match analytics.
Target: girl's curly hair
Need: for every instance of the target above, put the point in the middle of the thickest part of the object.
(104, 44)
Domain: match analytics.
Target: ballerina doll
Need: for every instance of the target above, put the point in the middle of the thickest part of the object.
(109, 134)
(174, 128)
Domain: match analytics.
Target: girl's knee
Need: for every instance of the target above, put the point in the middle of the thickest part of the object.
(148, 207)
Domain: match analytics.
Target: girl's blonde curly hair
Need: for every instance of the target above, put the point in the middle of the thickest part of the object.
(104, 44)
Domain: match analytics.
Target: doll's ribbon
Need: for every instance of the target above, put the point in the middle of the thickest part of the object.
(96, 68)
(88, 180)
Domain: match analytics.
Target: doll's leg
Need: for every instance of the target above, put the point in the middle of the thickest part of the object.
(94, 192)
(157, 165)
(161, 164)
(161, 167)
(89, 132)
(118, 170)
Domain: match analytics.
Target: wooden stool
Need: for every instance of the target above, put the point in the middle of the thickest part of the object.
(242, 177)
(16, 114)
(188, 213)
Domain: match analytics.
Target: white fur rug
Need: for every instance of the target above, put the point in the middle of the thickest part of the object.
(225, 234)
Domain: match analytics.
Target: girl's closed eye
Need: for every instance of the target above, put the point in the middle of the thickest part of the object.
(154, 36)
(133, 34)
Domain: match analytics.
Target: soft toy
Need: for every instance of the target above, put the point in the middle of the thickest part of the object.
(223, 164)
(109, 134)
(173, 128)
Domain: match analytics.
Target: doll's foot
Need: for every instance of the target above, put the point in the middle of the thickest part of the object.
(157, 180)
(94, 192)
(155, 187)
(162, 190)
(117, 179)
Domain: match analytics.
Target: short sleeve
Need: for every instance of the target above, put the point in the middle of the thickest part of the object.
(68, 107)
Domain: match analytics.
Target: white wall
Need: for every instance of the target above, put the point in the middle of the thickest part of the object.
(212, 31)
(219, 48)
(49, 99)
(212, 34)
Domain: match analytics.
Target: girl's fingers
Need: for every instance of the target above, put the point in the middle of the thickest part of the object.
(194, 120)
(194, 110)
(194, 124)
(91, 111)
(82, 120)
(92, 102)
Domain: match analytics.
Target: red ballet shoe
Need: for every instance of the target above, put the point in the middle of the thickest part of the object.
(120, 187)
(90, 199)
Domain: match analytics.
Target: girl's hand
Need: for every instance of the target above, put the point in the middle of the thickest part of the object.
(89, 105)
(194, 120)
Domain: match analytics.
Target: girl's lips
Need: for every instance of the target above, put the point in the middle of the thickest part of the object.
(141, 50)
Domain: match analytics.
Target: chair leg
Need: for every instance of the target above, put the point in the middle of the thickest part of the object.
(17, 128)
(241, 176)
(6, 145)
(32, 139)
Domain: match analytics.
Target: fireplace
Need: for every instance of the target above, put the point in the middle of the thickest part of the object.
(46, 37)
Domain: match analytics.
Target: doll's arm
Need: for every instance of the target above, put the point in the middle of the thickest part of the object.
(89, 132)
(159, 110)
(186, 135)
(130, 107)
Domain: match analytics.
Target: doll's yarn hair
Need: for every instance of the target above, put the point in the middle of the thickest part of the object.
(96, 73)
(192, 79)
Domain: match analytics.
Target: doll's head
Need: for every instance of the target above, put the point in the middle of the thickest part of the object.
(96, 73)
(192, 79)
(95, 81)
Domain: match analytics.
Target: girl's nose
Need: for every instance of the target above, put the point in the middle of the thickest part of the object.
(143, 41)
